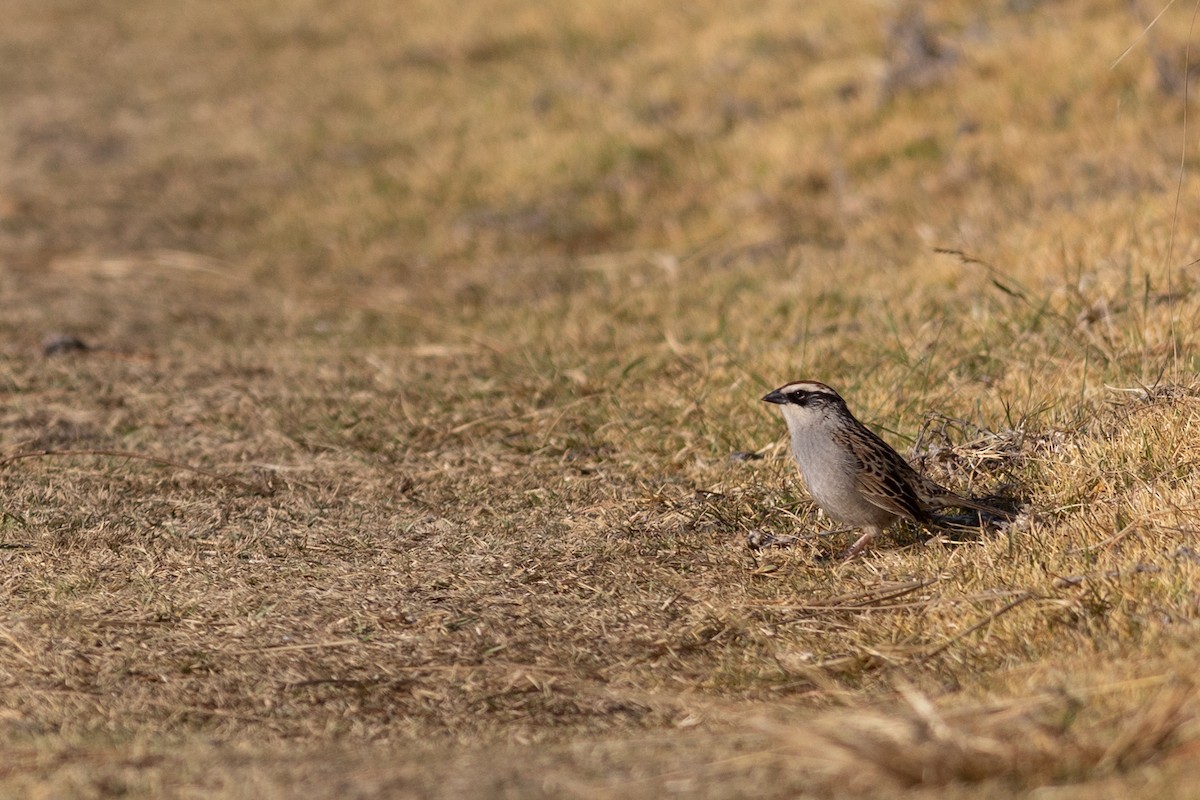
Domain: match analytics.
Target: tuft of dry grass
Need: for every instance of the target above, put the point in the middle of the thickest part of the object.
(1031, 742)
(379, 399)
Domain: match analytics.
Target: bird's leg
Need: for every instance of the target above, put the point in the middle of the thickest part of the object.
(870, 532)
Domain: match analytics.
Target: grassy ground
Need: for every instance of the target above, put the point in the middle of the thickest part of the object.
(451, 324)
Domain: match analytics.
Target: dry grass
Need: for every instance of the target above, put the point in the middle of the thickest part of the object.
(435, 336)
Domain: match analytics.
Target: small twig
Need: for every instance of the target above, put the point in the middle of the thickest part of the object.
(989, 619)
(1001, 281)
(895, 593)
(283, 648)
(351, 683)
(879, 594)
(841, 609)
(162, 462)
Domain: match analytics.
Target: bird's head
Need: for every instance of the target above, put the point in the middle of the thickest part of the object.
(803, 402)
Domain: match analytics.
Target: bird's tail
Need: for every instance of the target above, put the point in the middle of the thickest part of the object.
(989, 509)
(939, 497)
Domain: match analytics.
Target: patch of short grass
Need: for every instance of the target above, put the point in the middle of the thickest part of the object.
(458, 325)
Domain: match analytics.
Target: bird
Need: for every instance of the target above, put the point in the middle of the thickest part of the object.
(854, 476)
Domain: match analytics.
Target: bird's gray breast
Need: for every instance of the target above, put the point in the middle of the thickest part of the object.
(830, 471)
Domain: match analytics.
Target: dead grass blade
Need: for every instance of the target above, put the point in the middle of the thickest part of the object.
(872, 600)
(878, 595)
(989, 619)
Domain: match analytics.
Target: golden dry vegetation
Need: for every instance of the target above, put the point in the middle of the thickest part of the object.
(421, 341)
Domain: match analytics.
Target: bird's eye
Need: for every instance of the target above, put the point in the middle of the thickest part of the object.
(799, 398)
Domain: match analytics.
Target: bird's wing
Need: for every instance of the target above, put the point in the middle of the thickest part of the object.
(885, 479)
(891, 494)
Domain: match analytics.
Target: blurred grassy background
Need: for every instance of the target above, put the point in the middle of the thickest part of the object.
(484, 296)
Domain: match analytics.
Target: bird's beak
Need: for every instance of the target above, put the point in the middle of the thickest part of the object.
(777, 397)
